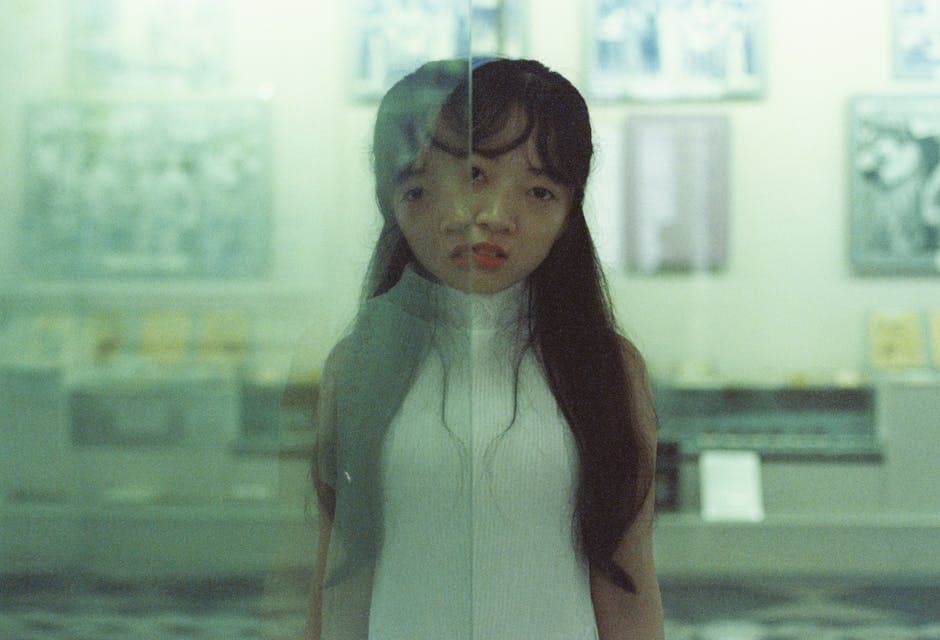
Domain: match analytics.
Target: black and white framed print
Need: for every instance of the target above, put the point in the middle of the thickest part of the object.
(895, 184)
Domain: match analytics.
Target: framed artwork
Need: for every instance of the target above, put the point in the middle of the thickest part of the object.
(394, 37)
(157, 45)
(895, 184)
(675, 49)
(916, 39)
(677, 181)
(147, 189)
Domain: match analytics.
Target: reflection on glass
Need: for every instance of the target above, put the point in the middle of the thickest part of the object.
(189, 211)
(150, 45)
(158, 189)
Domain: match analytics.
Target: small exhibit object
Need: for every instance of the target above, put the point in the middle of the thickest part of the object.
(935, 337)
(896, 341)
(165, 336)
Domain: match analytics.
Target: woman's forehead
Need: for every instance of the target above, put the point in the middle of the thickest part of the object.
(514, 127)
(513, 134)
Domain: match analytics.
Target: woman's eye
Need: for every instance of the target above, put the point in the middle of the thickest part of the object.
(412, 194)
(542, 193)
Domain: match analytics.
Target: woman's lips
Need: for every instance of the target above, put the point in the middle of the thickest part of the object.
(485, 255)
(488, 255)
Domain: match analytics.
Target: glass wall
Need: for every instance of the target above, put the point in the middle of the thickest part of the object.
(187, 214)
(187, 219)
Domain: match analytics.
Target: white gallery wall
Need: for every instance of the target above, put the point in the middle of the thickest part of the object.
(786, 307)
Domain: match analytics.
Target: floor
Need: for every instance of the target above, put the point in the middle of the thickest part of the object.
(54, 608)
(791, 609)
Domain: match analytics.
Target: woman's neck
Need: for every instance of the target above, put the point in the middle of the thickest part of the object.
(428, 297)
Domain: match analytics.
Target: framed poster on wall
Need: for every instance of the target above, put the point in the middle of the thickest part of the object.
(675, 49)
(169, 189)
(394, 37)
(157, 45)
(677, 182)
(916, 39)
(894, 181)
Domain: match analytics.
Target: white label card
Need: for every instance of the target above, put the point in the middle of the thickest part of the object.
(731, 487)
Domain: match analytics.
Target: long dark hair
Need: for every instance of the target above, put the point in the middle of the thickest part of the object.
(572, 328)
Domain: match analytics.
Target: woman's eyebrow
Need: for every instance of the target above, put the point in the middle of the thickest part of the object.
(408, 173)
(457, 152)
(543, 172)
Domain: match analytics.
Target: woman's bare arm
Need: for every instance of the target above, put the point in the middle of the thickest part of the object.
(622, 615)
(326, 498)
(626, 616)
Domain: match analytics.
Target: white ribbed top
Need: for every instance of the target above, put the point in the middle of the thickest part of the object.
(477, 537)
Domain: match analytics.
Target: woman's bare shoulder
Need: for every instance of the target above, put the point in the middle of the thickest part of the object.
(641, 389)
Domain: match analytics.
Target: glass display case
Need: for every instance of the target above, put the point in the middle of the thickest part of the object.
(814, 422)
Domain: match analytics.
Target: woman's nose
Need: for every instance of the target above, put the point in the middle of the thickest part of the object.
(485, 208)
(492, 210)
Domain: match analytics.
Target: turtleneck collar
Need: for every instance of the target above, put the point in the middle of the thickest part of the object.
(476, 311)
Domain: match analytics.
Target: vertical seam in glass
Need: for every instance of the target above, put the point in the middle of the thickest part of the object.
(471, 345)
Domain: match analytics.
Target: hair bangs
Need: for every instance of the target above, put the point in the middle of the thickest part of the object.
(554, 117)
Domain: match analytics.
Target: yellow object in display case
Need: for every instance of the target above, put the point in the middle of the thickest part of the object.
(164, 336)
(896, 341)
(107, 336)
(224, 337)
(935, 337)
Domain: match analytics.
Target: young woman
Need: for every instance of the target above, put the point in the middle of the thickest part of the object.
(485, 437)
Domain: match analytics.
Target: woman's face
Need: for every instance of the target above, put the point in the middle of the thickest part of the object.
(481, 224)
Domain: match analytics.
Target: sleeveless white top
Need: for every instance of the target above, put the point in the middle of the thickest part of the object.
(479, 477)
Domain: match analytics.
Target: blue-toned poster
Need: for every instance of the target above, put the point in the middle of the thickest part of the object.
(675, 49)
(394, 37)
(917, 39)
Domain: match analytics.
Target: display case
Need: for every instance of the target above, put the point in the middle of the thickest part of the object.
(783, 421)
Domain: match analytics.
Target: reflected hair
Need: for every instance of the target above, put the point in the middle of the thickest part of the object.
(573, 331)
